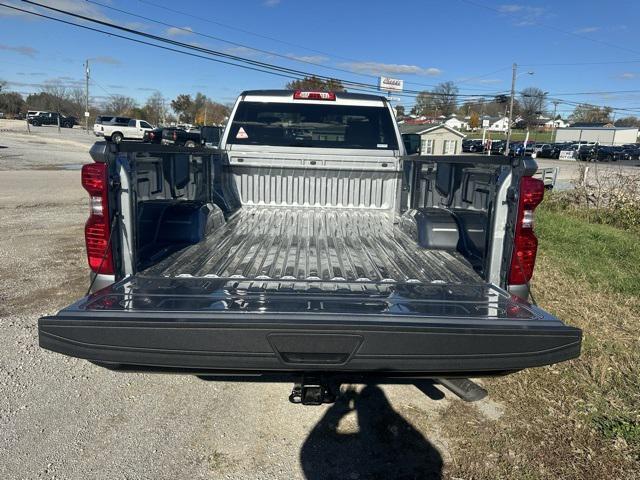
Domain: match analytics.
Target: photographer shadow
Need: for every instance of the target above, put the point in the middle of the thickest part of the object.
(384, 445)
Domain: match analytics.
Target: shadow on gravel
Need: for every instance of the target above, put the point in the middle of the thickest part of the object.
(382, 445)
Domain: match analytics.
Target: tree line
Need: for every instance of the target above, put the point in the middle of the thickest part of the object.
(443, 99)
(185, 108)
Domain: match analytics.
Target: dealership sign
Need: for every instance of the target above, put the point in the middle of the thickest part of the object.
(391, 84)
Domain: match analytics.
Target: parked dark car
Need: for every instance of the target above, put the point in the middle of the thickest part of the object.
(497, 146)
(51, 118)
(584, 153)
(553, 150)
(473, 145)
(607, 153)
(632, 151)
(181, 137)
(153, 136)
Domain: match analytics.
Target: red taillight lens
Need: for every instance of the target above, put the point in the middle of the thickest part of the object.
(301, 95)
(97, 230)
(525, 245)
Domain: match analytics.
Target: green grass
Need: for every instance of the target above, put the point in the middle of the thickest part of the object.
(578, 419)
(605, 257)
(516, 135)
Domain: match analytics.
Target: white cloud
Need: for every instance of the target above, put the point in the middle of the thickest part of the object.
(271, 3)
(524, 15)
(510, 8)
(106, 59)
(376, 68)
(20, 49)
(73, 6)
(309, 58)
(177, 31)
(628, 75)
(490, 81)
(587, 30)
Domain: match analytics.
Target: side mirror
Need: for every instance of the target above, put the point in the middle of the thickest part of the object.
(411, 143)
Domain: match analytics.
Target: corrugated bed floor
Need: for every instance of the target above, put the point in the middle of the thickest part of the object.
(314, 244)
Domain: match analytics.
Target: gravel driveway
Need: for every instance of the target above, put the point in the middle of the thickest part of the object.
(67, 419)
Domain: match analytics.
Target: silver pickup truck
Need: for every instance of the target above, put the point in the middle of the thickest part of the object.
(310, 246)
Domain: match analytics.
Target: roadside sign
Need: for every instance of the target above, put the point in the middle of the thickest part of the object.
(567, 155)
(485, 123)
(391, 84)
(86, 114)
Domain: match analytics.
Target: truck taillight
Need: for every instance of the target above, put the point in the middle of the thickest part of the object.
(302, 95)
(95, 180)
(525, 244)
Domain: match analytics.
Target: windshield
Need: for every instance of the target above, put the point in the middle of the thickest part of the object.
(313, 125)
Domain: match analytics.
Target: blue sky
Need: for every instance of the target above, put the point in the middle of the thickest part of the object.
(471, 42)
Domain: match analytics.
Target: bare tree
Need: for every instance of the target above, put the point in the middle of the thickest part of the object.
(445, 97)
(425, 104)
(533, 103)
(155, 108)
(59, 95)
(591, 113)
(316, 84)
(120, 105)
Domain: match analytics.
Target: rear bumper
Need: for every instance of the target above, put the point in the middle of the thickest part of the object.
(251, 344)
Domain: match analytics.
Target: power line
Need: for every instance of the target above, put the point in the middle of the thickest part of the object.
(598, 93)
(186, 14)
(248, 32)
(262, 66)
(236, 44)
(571, 64)
(111, 34)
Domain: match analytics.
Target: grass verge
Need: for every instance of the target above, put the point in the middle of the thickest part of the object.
(579, 419)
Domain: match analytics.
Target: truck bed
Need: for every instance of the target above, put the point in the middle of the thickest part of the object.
(311, 244)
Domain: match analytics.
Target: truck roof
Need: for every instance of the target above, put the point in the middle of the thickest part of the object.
(289, 93)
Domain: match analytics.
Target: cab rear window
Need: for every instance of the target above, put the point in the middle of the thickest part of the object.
(313, 125)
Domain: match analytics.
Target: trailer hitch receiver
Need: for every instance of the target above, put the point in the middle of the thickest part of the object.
(313, 391)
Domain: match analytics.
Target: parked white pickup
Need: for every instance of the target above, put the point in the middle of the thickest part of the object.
(134, 130)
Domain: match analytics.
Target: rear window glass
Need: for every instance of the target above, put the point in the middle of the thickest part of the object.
(313, 125)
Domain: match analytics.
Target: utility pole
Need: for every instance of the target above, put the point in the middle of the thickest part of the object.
(513, 94)
(86, 96)
(553, 120)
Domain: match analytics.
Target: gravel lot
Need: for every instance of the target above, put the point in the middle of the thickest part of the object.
(68, 419)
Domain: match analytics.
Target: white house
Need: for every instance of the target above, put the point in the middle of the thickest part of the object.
(499, 125)
(454, 122)
(559, 123)
(436, 139)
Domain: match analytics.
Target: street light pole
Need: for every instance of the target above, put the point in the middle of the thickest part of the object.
(513, 94)
(553, 120)
(86, 96)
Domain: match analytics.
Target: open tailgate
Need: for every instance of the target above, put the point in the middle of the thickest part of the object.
(223, 325)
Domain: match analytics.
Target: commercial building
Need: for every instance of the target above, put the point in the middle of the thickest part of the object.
(601, 135)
